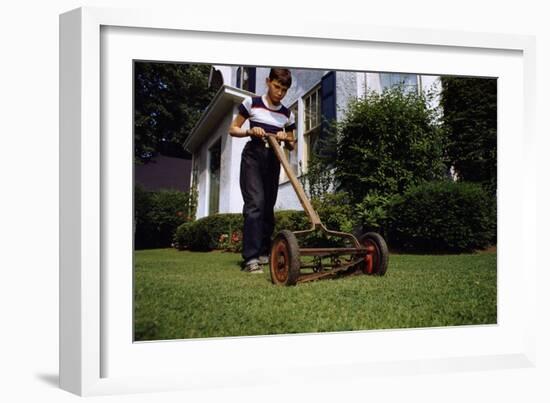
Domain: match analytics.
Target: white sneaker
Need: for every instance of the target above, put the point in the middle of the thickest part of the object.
(253, 267)
(263, 259)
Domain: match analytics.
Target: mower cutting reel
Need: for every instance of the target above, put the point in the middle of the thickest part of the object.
(368, 254)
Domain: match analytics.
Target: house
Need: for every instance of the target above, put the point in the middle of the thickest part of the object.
(315, 96)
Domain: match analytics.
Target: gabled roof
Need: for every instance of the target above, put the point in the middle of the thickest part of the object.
(223, 102)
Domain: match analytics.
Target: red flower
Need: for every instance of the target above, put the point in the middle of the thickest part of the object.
(235, 237)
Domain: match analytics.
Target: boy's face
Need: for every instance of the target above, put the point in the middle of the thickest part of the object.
(275, 91)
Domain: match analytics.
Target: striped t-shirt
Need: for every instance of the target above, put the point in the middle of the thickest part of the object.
(271, 120)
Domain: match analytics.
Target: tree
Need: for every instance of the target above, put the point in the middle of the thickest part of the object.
(169, 100)
(470, 112)
(388, 142)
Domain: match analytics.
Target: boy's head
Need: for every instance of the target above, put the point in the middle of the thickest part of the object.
(278, 83)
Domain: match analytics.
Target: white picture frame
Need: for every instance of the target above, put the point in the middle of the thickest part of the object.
(97, 358)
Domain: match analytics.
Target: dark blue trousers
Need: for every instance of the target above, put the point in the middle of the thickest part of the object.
(259, 180)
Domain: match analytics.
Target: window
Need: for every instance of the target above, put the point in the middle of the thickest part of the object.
(312, 123)
(408, 81)
(246, 78)
(215, 153)
(291, 156)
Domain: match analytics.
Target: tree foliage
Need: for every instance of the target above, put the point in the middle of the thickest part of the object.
(169, 100)
(470, 116)
(387, 142)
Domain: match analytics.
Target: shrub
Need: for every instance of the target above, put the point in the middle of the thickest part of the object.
(388, 142)
(335, 212)
(443, 216)
(231, 242)
(205, 234)
(158, 214)
(170, 208)
(293, 220)
(144, 229)
(373, 213)
(224, 231)
(184, 235)
(336, 215)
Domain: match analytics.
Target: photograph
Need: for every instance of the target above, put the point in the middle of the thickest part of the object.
(275, 200)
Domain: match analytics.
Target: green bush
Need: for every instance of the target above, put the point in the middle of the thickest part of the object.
(158, 214)
(144, 228)
(184, 235)
(224, 231)
(205, 233)
(388, 142)
(373, 213)
(443, 216)
(335, 212)
(293, 220)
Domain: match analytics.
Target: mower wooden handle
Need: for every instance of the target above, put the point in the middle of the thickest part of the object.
(304, 201)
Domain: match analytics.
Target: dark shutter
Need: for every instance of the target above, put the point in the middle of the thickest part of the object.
(328, 102)
(252, 79)
(238, 78)
(328, 98)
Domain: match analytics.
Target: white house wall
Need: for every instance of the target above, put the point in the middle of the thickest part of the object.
(432, 83)
(346, 90)
(228, 73)
(286, 198)
(226, 179)
(202, 201)
(373, 82)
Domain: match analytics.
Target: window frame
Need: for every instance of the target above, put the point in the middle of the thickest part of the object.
(283, 177)
(309, 132)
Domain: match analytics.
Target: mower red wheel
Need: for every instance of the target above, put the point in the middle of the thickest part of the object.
(376, 260)
(284, 263)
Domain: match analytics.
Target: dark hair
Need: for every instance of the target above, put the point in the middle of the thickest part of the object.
(281, 75)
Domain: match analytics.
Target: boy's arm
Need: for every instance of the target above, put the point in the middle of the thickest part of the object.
(290, 140)
(290, 132)
(244, 113)
(236, 130)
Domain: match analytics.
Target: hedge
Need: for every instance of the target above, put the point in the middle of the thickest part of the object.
(204, 234)
(158, 214)
(224, 231)
(443, 216)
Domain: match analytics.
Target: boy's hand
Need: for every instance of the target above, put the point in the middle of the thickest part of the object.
(287, 137)
(256, 132)
(290, 140)
(281, 136)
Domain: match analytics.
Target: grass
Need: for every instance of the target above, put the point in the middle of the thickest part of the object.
(194, 295)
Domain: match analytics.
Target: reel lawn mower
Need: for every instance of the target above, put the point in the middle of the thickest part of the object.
(289, 264)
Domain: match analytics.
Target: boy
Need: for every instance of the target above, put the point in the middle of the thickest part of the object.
(259, 177)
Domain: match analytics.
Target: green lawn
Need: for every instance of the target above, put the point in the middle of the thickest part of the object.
(191, 295)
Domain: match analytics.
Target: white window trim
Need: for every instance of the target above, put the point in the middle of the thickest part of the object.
(283, 177)
(305, 149)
